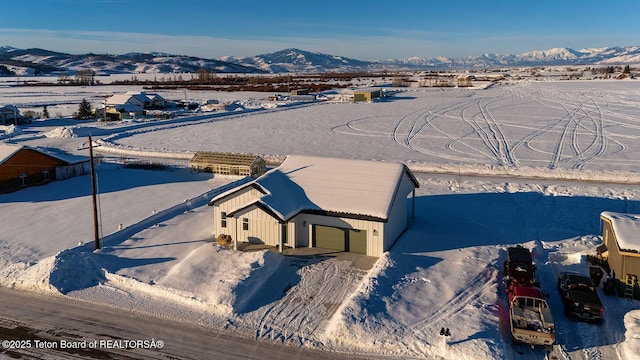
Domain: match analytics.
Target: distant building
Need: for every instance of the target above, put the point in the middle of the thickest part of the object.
(22, 166)
(348, 205)
(10, 115)
(228, 163)
(297, 92)
(156, 101)
(130, 105)
(367, 95)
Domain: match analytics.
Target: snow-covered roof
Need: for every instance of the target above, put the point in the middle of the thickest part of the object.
(7, 151)
(341, 186)
(626, 228)
(122, 99)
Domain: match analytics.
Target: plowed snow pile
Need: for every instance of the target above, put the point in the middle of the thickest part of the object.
(62, 132)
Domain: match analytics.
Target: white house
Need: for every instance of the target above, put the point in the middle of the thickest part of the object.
(130, 98)
(345, 205)
(124, 106)
(9, 114)
(156, 101)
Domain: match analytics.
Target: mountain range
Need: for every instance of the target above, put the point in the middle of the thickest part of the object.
(35, 61)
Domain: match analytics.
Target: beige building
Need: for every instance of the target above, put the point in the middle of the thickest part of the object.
(366, 95)
(339, 204)
(621, 236)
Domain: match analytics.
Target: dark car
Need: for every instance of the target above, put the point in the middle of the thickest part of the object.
(580, 297)
(518, 268)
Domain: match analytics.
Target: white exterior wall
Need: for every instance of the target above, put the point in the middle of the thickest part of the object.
(302, 228)
(229, 204)
(398, 217)
(67, 171)
(263, 228)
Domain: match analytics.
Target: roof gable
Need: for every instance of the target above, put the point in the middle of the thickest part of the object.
(330, 185)
(7, 151)
(627, 230)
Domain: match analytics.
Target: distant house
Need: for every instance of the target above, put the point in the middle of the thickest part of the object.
(22, 166)
(130, 98)
(228, 163)
(367, 95)
(337, 204)
(621, 236)
(124, 106)
(10, 114)
(156, 101)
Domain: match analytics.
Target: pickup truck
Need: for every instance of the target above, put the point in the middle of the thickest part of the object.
(580, 297)
(530, 317)
(519, 268)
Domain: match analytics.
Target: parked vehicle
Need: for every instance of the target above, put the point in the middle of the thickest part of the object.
(579, 296)
(518, 268)
(530, 316)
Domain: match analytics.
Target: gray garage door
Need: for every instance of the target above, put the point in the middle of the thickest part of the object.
(339, 239)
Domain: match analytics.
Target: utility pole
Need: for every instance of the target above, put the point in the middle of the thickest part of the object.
(96, 234)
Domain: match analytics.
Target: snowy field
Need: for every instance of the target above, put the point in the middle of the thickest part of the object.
(158, 256)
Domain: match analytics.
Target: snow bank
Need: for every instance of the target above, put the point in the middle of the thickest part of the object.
(631, 344)
(7, 131)
(529, 172)
(62, 132)
(75, 269)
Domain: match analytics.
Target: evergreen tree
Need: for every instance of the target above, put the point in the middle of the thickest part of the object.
(627, 69)
(45, 112)
(84, 111)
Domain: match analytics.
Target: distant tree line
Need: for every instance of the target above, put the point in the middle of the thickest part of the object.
(4, 71)
(39, 69)
(610, 69)
(205, 79)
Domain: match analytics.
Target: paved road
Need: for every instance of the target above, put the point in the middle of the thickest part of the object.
(46, 327)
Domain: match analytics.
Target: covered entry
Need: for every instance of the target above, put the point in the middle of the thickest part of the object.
(339, 239)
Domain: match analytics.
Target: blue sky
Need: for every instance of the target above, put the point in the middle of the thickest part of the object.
(366, 30)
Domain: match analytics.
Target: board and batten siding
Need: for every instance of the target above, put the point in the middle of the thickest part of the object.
(398, 216)
(230, 203)
(262, 227)
(301, 228)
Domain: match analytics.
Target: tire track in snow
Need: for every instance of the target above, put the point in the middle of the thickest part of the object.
(600, 142)
(501, 143)
(431, 116)
(560, 144)
(416, 128)
(482, 282)
(308, 305)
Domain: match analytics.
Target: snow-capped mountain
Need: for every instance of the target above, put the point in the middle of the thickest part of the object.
(15, 61)
(40, 61)
(296, 60)
(555, 56)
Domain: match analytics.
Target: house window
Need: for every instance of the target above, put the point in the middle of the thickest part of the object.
(45, 175)
(24, 179)
(223, 217)
(245, 224)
